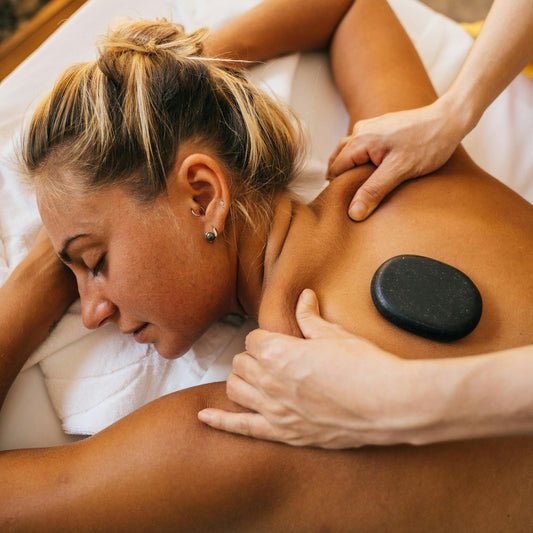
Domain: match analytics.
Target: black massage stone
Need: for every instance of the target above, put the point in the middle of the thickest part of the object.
(426, 297)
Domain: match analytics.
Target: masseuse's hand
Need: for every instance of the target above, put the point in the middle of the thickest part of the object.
(402, 145)
(333, 390)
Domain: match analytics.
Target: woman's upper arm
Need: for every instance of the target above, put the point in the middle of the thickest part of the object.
(157, 469)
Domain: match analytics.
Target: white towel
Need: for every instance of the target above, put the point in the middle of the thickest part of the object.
(96, 377)
(104, 375)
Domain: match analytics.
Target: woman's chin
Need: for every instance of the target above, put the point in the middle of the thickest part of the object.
(170, 352)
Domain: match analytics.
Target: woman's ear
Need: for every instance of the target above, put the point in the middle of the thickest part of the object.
(204, 185)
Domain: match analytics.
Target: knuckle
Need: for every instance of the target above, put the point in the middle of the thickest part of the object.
(238, 361)
(372, 191)
(255, 341)
(275, 349)
(359, 128)
(231, 386)
(266, 382)
(278, 411)
(242, 425)
(295, 438)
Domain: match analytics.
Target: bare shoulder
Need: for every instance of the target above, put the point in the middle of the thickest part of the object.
(459, 215)
(310, 254)
(158, 469)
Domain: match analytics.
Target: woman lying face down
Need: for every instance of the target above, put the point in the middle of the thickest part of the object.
(152, 169)
(142, 176)
(176, 171)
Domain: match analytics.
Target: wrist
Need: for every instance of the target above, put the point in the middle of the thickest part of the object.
(427, 402)
(462, 108)
(450, 399)
(399, 413)
(416, 401)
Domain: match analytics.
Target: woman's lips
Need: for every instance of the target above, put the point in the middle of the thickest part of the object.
(140, 334)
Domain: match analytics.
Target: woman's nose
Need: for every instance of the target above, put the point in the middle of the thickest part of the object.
(96, 310)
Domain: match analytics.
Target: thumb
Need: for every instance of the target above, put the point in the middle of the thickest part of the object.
(384, 179)
(308, 316)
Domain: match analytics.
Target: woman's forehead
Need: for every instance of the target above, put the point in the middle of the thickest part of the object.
(78, 213)
(94, 212)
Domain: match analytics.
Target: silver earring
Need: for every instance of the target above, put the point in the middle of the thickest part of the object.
(221, 203)
(210, 236)
(201, 211)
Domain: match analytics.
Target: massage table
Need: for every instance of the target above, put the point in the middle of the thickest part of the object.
(81, 381)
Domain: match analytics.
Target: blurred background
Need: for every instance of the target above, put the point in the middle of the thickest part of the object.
(461, 10)
(14, 13)
(25, 24)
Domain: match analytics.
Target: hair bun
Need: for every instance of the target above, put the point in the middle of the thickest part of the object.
(147, 37)
(151, 36)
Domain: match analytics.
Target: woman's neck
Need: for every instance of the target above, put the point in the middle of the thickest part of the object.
(257, 250)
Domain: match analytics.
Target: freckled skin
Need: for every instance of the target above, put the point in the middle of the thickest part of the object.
(158, 266)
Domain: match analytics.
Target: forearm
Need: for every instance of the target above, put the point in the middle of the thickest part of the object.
(478, 396)
(277, 27)
(32, 299)
(502, 50)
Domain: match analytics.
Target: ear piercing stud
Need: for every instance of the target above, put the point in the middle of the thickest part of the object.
(210, 236)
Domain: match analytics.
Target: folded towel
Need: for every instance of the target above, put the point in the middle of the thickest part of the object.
(104, 375)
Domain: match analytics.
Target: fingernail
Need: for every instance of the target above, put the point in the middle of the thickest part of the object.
(205, 416)
(308, 297)
(357, 210)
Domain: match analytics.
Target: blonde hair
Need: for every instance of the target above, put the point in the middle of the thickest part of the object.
(121, 119)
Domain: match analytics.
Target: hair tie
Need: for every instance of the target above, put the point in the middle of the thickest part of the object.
(151, 46)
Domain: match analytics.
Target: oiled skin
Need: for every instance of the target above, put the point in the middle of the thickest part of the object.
(160, 469)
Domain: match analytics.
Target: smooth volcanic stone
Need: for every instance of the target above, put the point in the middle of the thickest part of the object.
(426, 297)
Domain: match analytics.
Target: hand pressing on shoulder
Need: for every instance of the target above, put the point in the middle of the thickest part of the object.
(330, 390)
(402, 145)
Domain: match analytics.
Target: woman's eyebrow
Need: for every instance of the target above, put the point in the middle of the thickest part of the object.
(63, 254)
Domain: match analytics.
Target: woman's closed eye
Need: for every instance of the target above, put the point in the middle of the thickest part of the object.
(98, 267)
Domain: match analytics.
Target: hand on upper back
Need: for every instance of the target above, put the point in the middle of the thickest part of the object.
(402, 145)
(329, 390)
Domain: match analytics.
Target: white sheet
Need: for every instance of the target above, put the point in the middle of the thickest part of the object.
(94, 378)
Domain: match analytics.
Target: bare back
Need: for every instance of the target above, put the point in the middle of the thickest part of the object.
(460, 216)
